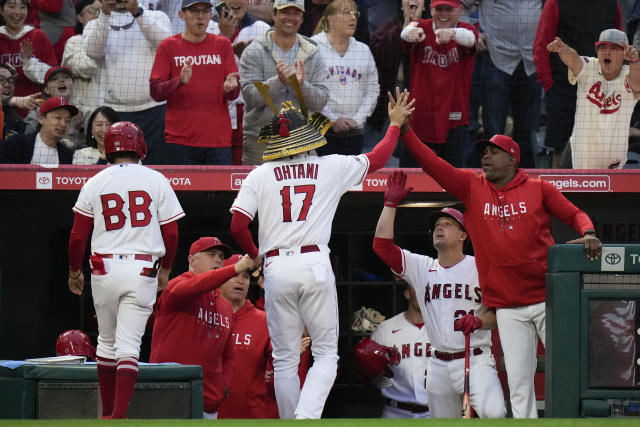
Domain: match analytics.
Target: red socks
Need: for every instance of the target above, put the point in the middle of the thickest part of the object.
(107, 380)
(125, 382)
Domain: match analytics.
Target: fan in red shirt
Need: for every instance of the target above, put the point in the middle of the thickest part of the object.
(197, 74)
(508, 217)
(442, 52)
(194, 323)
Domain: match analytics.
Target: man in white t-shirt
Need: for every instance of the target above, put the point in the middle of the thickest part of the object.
(607, 93)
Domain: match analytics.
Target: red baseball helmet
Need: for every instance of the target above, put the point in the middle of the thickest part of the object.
(125, 136)
(373, 360)
(75, 343)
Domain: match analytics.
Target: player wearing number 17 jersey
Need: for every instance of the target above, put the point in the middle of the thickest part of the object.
(133, 212)
(296, 194)
(448, 292)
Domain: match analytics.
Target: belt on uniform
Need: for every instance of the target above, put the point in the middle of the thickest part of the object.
(453, 356)
(303, 250)
(139, 257)
(406, 406)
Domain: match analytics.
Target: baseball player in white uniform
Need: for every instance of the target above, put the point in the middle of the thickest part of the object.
(296, 194)
(405, 394)
(450, 300)
(133, 212)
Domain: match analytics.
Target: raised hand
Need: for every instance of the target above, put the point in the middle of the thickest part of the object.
(396, 189)
(400, 109)
(26, 50)
(557, 45)
(630, 54)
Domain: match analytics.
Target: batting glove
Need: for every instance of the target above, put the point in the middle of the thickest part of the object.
(467, 324)
(382, 382)
(396, 190)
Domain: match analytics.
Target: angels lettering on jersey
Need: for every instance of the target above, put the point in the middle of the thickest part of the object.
(241, 341)
(213, 320)
(460, 291)
(505, 212)
(416, 349)
(608, 103)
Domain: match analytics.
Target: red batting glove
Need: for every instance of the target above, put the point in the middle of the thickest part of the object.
(396, 190)
(467, 324)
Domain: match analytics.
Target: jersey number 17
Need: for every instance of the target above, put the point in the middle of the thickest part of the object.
(308, 190)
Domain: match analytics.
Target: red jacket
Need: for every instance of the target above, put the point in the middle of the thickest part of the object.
(253, 349)
(194, 327)
(510, 227)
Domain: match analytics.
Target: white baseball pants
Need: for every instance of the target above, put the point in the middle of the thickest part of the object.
(123, 300)
(300, 291)
(519, 331)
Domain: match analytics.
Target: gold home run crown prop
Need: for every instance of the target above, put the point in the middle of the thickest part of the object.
(290, 132)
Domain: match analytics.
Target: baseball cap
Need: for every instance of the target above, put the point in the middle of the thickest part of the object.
(613, 36)
(56, 70)
(204, 243)
(503, 142)
(281, 4)
(55, 103)
(448, 212)
(452, 3)
(187, 3)
(232, 260)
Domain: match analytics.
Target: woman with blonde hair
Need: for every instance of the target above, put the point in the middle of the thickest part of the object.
(351, 76)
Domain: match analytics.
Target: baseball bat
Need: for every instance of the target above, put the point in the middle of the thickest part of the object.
(467, 410)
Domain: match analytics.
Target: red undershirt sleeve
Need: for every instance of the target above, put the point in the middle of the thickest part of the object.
(170, 238)
(82, 226)
(381, 153)
(241, 234)
(388, 252)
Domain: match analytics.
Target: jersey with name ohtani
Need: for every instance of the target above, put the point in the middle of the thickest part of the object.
(296, 198)
(128, 203)
(410, 375)
(445, 295)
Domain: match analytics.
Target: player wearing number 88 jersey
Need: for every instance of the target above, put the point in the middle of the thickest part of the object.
(296, 194)
(448, 292)
(133, 211)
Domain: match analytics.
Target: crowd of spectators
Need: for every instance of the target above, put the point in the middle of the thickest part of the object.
(183, 70)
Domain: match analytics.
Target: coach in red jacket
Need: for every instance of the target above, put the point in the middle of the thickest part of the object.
(508, 217)
(194, 324)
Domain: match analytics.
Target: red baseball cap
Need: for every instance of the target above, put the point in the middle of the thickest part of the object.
(55, 70)
(204, 243)
(232, 260)
(55, 103)
(448, 212)
(503, 142)
(452, 3)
